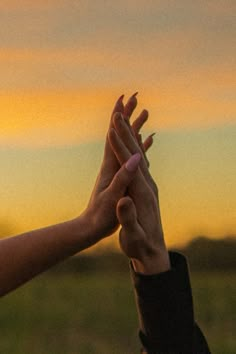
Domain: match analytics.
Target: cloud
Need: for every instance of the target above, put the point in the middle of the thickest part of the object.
(28, 4)
(52, 119)
(71, 117)
(62, 59)
(67, 23)
(158, 59)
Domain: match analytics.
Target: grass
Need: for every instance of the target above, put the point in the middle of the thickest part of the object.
(95, 313)
(215, 307)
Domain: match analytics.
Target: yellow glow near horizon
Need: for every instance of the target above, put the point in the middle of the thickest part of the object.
(69, 117)
(64, 63)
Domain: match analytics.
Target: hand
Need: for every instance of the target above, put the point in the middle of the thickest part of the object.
(141, 236)
(112, 183)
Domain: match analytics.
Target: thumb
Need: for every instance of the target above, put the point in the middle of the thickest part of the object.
(126, 214)
(124, 176)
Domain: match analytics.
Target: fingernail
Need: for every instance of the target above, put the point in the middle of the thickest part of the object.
(133, 162)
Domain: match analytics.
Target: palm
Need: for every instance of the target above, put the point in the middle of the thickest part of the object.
(110, 165)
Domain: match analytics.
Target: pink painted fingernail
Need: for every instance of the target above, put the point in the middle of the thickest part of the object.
(133, 162)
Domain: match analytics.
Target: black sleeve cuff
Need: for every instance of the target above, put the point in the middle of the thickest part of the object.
(165, 308)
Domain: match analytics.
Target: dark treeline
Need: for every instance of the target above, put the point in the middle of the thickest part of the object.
(203, 254)
(210, 254)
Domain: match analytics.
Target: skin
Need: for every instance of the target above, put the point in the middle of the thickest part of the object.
(24, 256)
(141, 235)
(110, 165)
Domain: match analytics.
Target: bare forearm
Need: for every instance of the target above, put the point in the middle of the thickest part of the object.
(24, 256)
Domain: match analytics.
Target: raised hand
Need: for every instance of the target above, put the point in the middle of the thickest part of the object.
(24, 256)
(141, 235)
(112, 183)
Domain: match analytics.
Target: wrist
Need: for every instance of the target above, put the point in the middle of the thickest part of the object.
(155, 264)
(84, 231)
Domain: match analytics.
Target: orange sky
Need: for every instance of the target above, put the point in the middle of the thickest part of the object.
(62, 66)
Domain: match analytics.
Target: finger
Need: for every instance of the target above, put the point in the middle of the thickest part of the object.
(127, 215)
(139, 121)
(140, 142)
(142, 179)
(130, 105)
(124, 176)
(129, 141)
(148, 142)
(119, 106)
(122, 129)
(110, 163)
(136, 127)
(120, 150)
(140, 186)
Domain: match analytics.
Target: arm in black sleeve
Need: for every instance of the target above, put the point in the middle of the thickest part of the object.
(165, 309)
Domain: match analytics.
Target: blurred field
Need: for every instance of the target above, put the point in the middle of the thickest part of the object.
(65, 312)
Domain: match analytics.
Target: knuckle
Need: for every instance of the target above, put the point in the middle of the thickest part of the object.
(120, 179)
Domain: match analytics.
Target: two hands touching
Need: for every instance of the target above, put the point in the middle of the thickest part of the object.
(124, 193)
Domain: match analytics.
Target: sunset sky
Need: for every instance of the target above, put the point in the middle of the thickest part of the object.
(64, 63)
